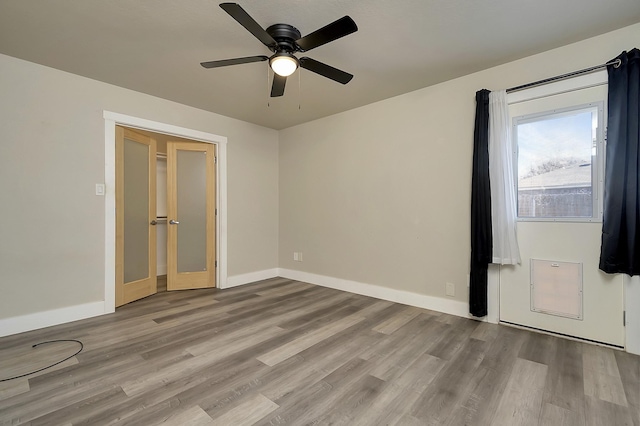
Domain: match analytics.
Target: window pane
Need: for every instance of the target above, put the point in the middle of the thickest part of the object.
(555, 157)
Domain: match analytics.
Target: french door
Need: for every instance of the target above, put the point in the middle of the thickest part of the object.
(135, 216)
(191, 211)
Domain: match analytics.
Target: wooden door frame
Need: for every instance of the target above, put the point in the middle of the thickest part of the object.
(111, 119)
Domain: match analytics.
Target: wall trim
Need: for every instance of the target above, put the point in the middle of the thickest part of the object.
(22, 323)
(236, 280)
(631, 303)
(111, 119)
(453, 307)
(493, 294)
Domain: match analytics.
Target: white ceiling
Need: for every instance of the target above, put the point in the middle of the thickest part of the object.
(155, 46)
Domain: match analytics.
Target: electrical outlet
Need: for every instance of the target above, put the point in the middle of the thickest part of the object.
(295, 256)
(99, 188)
(450, 289)
(299, 256)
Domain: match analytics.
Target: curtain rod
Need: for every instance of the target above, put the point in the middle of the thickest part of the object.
(615, 63)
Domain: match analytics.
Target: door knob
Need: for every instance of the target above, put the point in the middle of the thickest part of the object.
(173, 222)
(154, 222)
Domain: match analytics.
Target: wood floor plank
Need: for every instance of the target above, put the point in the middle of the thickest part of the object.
(538, 348)
(604, 413)
(420, 373)
(387, 344)
(553, 415)
(235, 341)
(294, 287)
(191, 365)
(13, 388)
(504, 349)
(313, 364)
(598, 358)
(307, 400)
(318, 398)
(451, 386)
(313, 315)
(407, 420)
(284, 352)
(485, 331)
(397, 321)
(601, 375)
(565, 384)
(194, 416)
(404, 354)
(387, 406)
(480, 404)
(356, 401)
(629, 367)
(76, 413)
(198, 388)
(23, 360)
(247, 413)
(521, 402)
(604, 387)
(296, 346)
(458, 336)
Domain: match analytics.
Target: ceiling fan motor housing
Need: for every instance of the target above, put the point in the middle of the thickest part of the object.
(285, 35)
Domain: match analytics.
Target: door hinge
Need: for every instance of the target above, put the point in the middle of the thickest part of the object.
(216, 263)
(216, 212)
(624, 318)
(215, 159)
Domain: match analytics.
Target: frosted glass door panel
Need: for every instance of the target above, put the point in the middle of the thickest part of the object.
(191, 174)
(136, 211)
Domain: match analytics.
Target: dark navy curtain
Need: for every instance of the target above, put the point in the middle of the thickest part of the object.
(620, 251)
(481, 236)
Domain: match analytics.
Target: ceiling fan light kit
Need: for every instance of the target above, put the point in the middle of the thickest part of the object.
(284, 40)
(284, 64)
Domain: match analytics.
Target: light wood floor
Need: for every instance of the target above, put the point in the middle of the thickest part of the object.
(285, 352)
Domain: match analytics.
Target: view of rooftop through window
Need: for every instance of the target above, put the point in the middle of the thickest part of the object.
(556, 153)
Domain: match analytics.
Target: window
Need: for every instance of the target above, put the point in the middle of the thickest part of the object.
(558, 163)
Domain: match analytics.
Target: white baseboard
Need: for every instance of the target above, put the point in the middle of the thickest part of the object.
(22, 323)
(453, 307)
(236, 280)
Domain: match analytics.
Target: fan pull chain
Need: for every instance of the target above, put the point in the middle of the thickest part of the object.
(299, 89)
(268, 103)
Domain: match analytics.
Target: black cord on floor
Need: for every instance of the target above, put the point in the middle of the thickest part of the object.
(49, 366)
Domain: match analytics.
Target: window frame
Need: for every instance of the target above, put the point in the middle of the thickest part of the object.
(597, 169)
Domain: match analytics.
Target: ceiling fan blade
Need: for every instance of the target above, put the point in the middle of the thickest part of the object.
(335, 30)
(277, 89)
(325, 70)
(235, 61)
(243, 18)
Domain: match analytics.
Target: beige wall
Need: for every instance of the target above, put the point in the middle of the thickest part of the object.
(52, 248)
(381, 194)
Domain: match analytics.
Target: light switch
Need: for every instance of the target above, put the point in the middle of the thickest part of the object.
(99, 188)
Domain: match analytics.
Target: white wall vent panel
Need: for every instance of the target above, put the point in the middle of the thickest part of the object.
(556, 288)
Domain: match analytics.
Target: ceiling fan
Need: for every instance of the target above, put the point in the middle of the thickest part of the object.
(284, 40)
